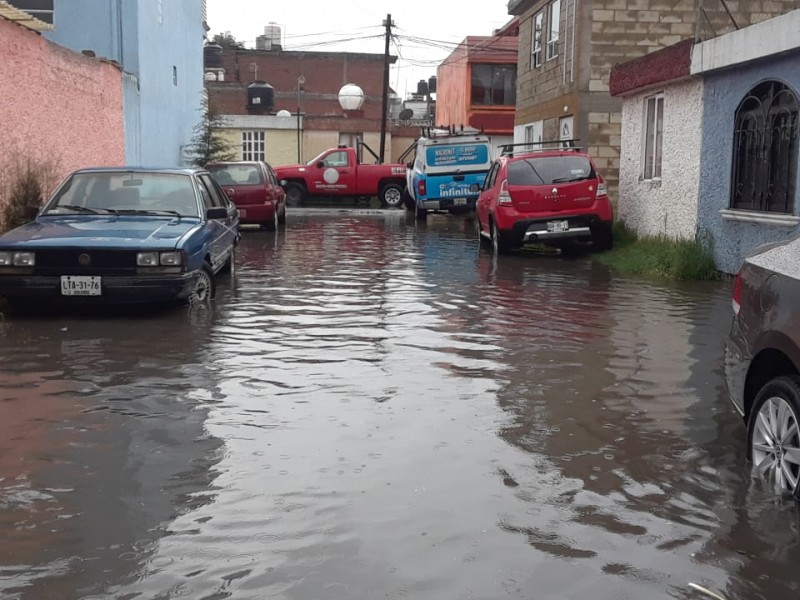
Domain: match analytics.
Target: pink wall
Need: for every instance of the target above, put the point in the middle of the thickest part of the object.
(57, 104)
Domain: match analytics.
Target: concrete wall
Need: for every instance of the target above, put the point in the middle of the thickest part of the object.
(667, 206)
(62, 107)
(160, 48)
(724, 90)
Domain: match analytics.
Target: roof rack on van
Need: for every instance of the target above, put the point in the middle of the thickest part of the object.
(450, 131)
(527, 147)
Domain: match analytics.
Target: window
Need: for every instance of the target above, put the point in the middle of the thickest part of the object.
(215, 195)
(549, 170)
(765, 149)
(554, 17)
(337, 159)
(494, 85)
(254, 145)
(536, 40)
(653, 137)
(528, 134)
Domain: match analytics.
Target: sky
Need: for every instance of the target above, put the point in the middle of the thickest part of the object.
(426, 31)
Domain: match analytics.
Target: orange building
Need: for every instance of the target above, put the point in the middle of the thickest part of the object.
(477, 84)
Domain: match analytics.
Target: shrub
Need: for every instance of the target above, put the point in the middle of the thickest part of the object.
(24, 182)
(661, 256)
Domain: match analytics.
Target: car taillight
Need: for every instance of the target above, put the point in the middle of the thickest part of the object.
(601, 190)
(423, 188)
(504, 197)
(736, 298)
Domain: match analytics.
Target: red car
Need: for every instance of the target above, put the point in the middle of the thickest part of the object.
(254, 189)
(549, 196)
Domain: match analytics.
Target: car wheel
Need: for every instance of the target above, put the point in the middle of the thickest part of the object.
(773, 434)
(482, 241)
(271, 225)
(391, 195)
(203, 290)
(602, 238)
(408, 201)
(295, 194)
(499, 245)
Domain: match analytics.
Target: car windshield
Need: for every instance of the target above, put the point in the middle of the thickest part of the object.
(548, 170)
(236, 174)
(126, 193)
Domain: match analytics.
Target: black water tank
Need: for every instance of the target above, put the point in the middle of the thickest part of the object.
(212, 56)
(260, 96)
(422, 88)
(432, 85)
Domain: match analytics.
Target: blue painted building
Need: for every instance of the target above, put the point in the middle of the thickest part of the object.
(750, 167)
(720, 120)
(159, 45)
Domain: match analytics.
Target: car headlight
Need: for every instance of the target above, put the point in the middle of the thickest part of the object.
(155, 259)
(171, 259)
(17, 259)
(147, 259)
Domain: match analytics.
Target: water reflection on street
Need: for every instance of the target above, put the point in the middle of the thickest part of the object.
(374, 408)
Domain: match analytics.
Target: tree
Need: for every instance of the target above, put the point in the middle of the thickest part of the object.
(208, 143)
(226, 40)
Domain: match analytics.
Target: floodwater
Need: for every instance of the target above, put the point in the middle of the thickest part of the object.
(374, 408)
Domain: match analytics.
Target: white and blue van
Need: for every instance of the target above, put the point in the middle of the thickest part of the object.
(447, 172)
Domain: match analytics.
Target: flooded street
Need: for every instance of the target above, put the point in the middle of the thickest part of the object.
(374, 408)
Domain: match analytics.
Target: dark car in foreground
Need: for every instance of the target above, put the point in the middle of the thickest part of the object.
(254, 189)
(762, 361)
(122, 236)
(551, 196)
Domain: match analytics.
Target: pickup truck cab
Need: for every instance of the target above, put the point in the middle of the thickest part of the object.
(447, 172)
(339, 172)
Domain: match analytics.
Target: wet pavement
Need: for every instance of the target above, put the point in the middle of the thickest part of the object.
(374, 408)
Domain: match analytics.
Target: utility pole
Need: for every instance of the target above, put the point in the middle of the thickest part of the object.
(388, 24)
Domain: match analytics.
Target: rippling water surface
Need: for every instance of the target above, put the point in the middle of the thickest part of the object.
(376, 409)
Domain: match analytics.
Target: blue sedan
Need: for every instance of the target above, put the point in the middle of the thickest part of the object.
(123, 235)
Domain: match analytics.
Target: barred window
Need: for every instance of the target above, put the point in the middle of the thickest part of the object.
(536, 40)
(765, 149)
(254, 145)
(554, 16)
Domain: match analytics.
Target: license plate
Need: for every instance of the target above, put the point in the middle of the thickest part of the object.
(556, 226)
(73, 285)
(459, 201)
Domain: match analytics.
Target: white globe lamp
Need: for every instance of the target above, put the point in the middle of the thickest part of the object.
(351, 97)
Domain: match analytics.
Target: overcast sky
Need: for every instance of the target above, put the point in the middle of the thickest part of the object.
(427, 30)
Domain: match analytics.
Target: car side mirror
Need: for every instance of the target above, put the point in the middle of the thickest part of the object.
(218, 212)
(31, 211)
(320, 164)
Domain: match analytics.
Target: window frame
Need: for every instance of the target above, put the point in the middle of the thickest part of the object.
(254, 145)
(536, 39)
(653, 138)
(512, 91)
(554, 29)
(764, 156)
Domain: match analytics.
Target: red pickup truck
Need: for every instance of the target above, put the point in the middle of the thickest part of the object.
(339, 172)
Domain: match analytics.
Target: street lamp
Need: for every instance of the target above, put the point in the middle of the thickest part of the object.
(301, 81)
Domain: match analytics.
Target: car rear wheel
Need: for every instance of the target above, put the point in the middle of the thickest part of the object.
(391, 195)
(482, 240)
(295, 194)
(773, 434)
(602, 238)
(499, 245)
(203, 290)
(271, 225)
(408, 201)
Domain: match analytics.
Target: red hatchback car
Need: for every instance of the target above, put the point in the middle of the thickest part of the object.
(549, 196)
(254, 189)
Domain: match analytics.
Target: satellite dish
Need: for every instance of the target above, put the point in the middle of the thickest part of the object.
(406, 114)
